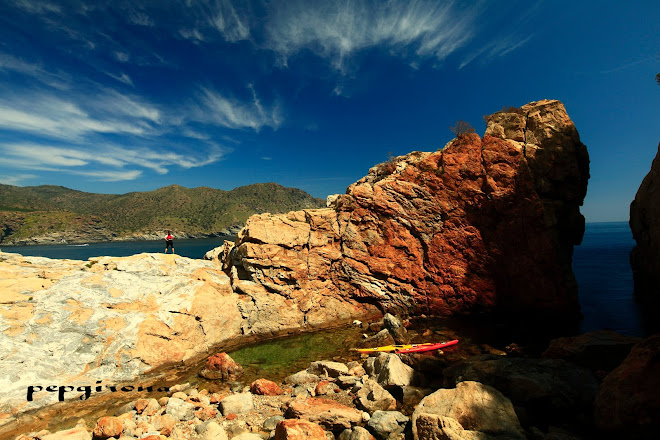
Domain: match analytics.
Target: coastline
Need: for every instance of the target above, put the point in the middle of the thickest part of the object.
(59, 239)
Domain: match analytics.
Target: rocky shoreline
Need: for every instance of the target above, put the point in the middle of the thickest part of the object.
(571, 392)
(56, 238)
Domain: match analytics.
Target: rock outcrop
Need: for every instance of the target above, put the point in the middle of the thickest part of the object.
(628, 403)
(645, 227)
(478, 224)
(69, 324)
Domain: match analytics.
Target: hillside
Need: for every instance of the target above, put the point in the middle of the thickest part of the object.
(50, 214)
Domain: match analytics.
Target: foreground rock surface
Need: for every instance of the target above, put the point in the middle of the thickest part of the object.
(466, 410)
(110, 319)
(480, 223)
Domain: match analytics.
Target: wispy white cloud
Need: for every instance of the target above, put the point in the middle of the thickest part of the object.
(232, 113)
(112, 103)
(337, 30)
(495, 49)
(123, 78)
(110, 176)
(227, 20)
(81, 123)
(44, 156)
(38, 6)
(122, 57)
(628, 65)
(16, 179)
(44, 113)
(140, 18)
(191, 34)
(109, 162)
(189, 133)
(10, 63)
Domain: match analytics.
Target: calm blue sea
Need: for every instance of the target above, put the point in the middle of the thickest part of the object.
(185, 248)
(604, 277)
(600, 265)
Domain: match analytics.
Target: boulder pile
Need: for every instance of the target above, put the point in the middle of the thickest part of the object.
(382, 398)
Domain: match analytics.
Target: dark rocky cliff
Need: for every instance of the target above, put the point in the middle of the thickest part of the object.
(645, 227)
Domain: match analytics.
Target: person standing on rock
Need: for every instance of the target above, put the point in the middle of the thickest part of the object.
(169, 241)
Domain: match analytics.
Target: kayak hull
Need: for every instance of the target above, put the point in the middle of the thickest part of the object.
(430, 347)
(408, 348)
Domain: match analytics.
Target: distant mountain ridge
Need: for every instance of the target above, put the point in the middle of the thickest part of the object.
(54, 214)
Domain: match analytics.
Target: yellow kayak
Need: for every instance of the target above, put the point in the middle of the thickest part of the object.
(389, 348)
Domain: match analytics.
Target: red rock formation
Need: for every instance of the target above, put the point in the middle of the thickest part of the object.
(478, 224)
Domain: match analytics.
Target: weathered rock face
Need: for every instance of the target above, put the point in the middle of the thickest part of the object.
(481, 223)
(645, 227)
(71, 324)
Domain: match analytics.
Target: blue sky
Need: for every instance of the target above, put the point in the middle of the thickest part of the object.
(123, 96)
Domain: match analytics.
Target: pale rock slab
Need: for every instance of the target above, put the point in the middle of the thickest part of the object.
(471, 406)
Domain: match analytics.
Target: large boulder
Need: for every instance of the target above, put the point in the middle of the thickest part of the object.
(265, 387)
(645, 256)
(107, 427)
(180, 409)
(294, 429)
(221, 366)
(373, 397)
(478, 224)
(387, 424)
(327, 368)
(237, 404)
(628, 402)
(210, 430)
(389, 370)
(479, 409)
(327, 413)
(394, 325)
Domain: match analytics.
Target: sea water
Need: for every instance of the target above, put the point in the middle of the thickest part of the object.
(185, 248)
(600, 265)
(602, 269)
